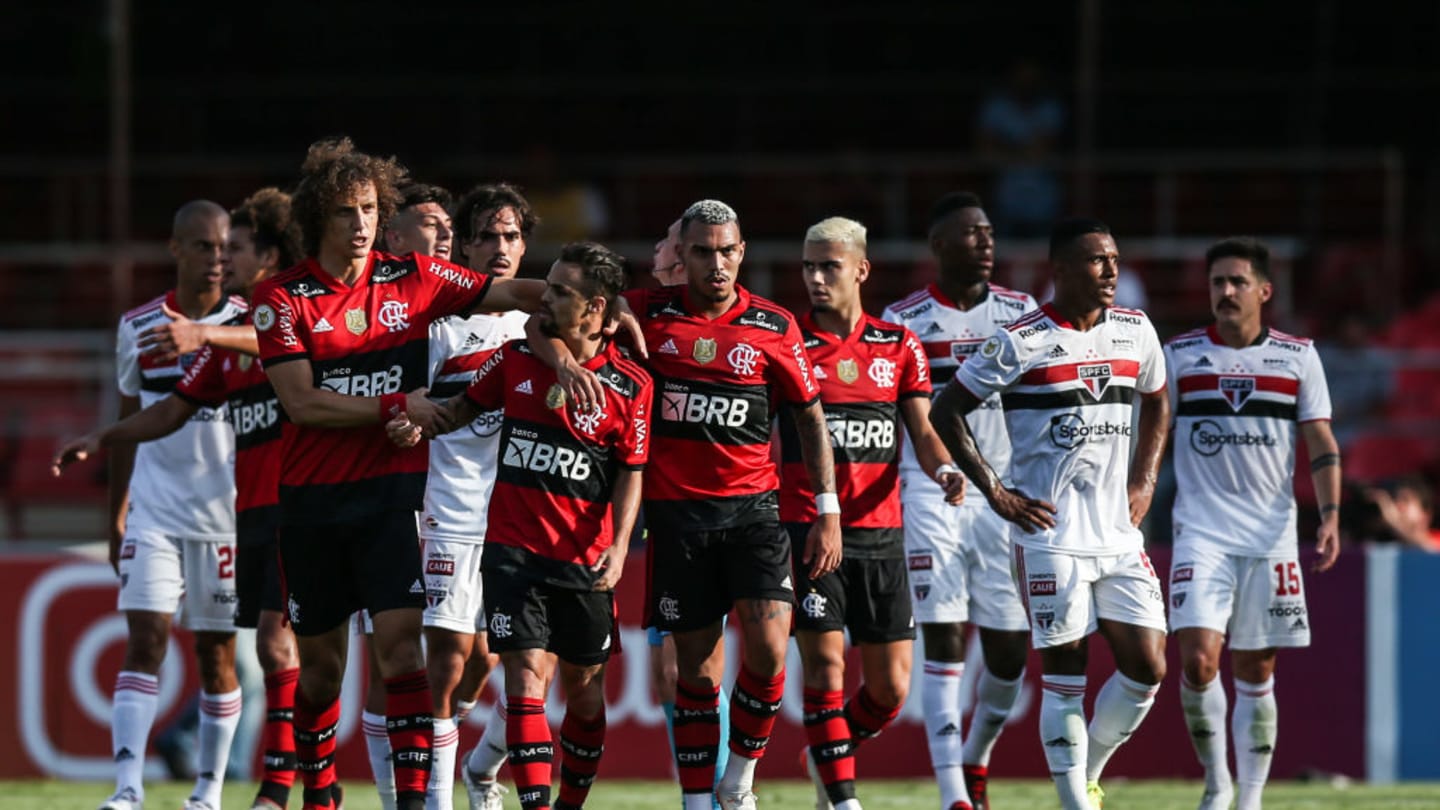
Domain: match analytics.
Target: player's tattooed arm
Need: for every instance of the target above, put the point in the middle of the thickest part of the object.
(1325, 472)
(1154, 428)
(947, 416)
(929, 450)
(823, 543)
(506, 294)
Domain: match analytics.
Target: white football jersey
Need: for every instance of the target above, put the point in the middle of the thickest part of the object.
(1068, 399)
(1237, 413)
(462, 462)
(183, 484)
(950, 335)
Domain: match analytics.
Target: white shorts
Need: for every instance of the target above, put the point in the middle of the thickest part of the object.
(959, 561)
(1066, 594)
(452, 584)
(163, 573)
(1259, 602)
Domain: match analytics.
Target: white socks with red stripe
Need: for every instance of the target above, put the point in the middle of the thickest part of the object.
(442, 764)
(940, 698)
(132, 716)
(219, 717)
(1119, 708)
(1254, 727)
(1062, 732)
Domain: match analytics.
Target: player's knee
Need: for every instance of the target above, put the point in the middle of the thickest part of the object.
(890, 693)
(944, 642)
(1200, 667)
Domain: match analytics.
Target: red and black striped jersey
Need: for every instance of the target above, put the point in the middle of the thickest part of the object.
(862, 379)
(221, 377)
(715, 382)
(366, 339)
(557, 466)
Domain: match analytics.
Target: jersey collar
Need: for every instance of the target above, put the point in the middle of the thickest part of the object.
(742, 303)
(808, 323)
(934, 290)
(1214, 333)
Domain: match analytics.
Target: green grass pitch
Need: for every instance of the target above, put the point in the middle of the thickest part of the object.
(791, 795)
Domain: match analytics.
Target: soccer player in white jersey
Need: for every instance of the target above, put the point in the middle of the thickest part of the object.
(176, 544)
(959, 557)
(494, 222)
(1069, 375)
(1242, 393)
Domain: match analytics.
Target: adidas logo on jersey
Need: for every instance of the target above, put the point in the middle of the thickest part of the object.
(471, 341)
(668, 347)
(525, 388)
(1058, 351)
(1203, 362)
(322, 325)
(932, 328)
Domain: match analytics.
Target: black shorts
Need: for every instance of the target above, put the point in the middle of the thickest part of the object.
(257, 572)
(334, 569)
(524, 610)
(868, 596)
(695, 578)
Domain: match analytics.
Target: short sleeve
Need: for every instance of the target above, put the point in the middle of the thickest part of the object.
(992, 369)
(1172, 381)
(1313, 403)
(451, 289)
(633, 449)
(487, 390)
(127, 361)
(789, 367)
(277, 326)
(204, 382)
(1152, 362)
(915, 368)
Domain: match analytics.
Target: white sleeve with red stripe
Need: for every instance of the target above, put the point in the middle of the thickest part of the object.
(1313, 403)
(992, 369)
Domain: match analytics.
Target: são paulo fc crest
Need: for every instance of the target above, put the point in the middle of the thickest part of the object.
(1096, 377)
(704, 350)
(1237, 390)
(847, 370)
(355, 321)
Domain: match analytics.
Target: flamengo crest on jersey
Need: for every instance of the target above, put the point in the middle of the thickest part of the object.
(1068, 399)
(950, 335)
(1237, 413)
(862, 379)
(378, 344)
(462, 462)
(183, 484)
(557, 465)
(713, 397)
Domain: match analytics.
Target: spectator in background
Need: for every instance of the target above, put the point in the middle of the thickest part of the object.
(1407, 509)
(571, 208)
(1361, 375)
(1020, 125)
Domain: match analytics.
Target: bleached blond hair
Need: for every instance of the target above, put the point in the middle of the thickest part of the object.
(838, 231)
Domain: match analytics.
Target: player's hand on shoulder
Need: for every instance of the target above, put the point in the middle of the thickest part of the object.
(74, 450)
(625, 320)
(1028, 513)
(580, 384)
(168, 341)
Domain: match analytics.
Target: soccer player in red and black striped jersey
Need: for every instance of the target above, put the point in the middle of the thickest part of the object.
(262, 240)
(344, 336)
(871, 375)
(570, 481)
(720, 357)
